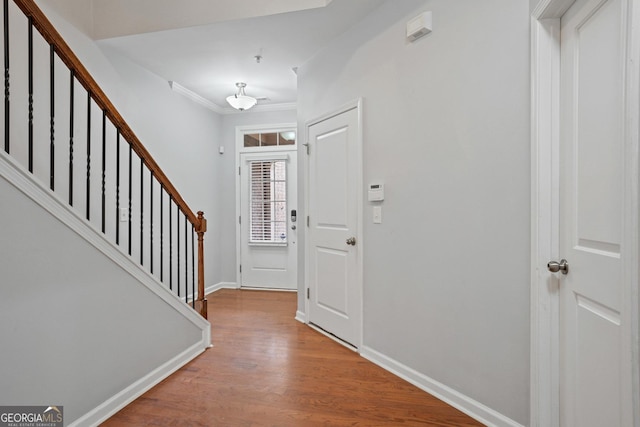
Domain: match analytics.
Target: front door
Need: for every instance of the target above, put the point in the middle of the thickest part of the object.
(268, 220)
(594, 367)
(335, 291)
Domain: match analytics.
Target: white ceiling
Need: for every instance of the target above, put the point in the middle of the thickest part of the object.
(209, 59)
(113, 18)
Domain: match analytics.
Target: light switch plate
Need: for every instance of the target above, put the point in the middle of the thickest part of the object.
(377, 214)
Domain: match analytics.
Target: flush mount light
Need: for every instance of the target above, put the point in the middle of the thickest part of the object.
(240, 101)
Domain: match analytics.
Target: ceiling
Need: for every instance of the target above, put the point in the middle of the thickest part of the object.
(207, 49)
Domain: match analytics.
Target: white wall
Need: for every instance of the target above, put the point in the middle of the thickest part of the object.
(59, 294)
(180, 134)
(446, 128)
(183, 138)
(446, 124)
(226, 169)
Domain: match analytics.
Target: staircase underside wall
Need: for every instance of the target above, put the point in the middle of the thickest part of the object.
(80, 325)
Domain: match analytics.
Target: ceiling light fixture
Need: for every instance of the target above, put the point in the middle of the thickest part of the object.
(240, 101)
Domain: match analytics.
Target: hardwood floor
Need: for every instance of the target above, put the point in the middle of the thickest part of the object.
(267, 369)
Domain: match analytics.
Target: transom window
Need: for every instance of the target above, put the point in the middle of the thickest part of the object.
(272, 139)
(268, 196)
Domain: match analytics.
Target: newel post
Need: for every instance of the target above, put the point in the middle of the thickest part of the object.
(201, 302)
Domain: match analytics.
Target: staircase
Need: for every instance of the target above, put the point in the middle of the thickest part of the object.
(102, 284)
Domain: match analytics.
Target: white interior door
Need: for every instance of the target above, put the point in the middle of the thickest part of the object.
(595, 376)
(268, 233)
(333, 253)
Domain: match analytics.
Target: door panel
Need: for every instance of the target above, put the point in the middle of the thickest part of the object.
(331, 197)
(592, 105)
(331, 266)
(334, 280)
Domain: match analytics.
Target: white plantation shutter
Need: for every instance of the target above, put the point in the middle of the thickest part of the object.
(268, 201)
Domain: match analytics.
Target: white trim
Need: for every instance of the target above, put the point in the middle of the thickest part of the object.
(545, 118)
(551, 9)
(178, 88)
(301, 317)
(358, 105)
(263, 108)
(214, 288)
(631, 236)
(257, 288)
(108, 408)
(240, 149)
(284, 155)
(448, 395)
(221, 285)
(335, 112)
(545, 96)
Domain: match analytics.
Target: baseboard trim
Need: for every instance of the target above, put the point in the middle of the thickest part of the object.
(258, 288)
(448, 395)
(221, 285)
(214, 288)
(104, 411)
(301, 317)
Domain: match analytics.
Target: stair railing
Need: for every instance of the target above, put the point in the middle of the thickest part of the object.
(92, 126)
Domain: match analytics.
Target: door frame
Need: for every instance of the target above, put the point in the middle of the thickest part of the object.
(239, 144)
(357, 105)
(545, 214)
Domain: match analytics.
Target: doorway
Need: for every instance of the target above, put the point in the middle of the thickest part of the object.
(584, 323)
(267, 207)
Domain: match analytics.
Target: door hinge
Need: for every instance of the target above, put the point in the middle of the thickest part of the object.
(308, 147)
(308, 221)
(240, 268)
(308, 293)
(239, 170)
(239, 220)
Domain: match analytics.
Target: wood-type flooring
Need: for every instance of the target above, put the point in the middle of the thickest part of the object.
(267, 369)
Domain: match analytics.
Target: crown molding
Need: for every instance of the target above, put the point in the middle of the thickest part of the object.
(178, 88)
(262, 108)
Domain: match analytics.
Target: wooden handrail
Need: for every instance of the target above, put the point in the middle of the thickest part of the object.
(64, 52)
(82, 75)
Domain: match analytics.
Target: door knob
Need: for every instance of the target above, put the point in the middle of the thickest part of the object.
(555, 266)
(351, 241)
